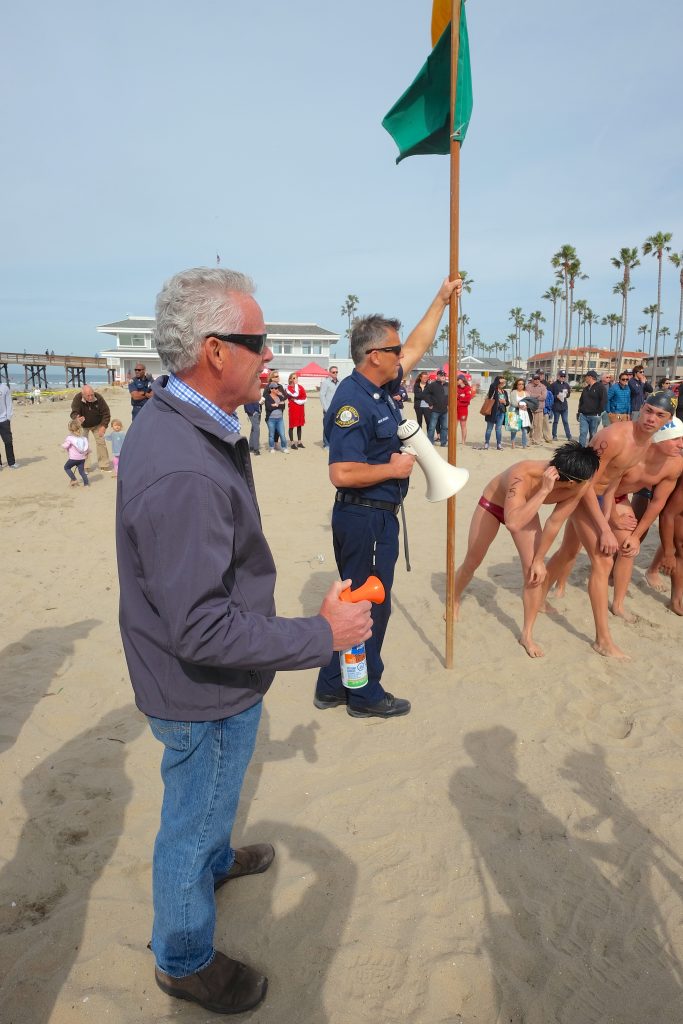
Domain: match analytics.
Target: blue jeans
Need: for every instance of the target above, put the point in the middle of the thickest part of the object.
(78, 464)
(365, 544)
(255, 434)
(438, 420)
(202, 768)
(276, 428)
(588, 428)
(498, 423)
(513, 435)
(564, 416)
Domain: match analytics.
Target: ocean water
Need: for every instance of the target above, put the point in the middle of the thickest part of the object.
(56, 381)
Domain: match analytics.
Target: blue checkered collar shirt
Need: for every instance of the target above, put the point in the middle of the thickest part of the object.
(177, 387)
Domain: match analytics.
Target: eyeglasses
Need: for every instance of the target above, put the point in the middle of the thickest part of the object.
(564, 478)
(394, 349)
(254, 342)
(623, 378)
(139, 368)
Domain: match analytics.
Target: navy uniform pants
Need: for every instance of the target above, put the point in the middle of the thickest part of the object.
(365, 544)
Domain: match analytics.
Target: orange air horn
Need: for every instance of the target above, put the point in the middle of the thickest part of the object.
(372, 590)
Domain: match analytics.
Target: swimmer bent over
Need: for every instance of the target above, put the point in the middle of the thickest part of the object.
(514, 498)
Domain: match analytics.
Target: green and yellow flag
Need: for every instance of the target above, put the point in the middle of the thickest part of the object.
(419, 122)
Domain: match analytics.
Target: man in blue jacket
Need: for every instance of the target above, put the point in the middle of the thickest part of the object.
(619, 399)
(200, 633)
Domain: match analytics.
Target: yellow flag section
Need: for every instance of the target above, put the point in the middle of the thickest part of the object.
(441, 15)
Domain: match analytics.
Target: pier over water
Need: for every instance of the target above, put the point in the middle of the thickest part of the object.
(36, 366)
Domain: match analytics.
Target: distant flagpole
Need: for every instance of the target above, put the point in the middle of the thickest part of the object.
(453, 334)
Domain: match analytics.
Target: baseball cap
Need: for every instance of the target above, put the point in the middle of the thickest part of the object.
(561, 373)
(536, 376)
(441, 373)
(591, 373)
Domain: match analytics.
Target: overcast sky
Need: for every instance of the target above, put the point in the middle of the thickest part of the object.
(142, 138)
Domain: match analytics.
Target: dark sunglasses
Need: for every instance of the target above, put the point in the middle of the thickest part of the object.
(394, 349)
(254, 342)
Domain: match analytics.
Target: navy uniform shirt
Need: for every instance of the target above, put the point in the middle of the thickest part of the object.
(139, 384)
(361, 425)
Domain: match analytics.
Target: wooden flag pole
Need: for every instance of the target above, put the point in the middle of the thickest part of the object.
(453, 336)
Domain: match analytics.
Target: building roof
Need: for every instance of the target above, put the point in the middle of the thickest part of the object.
(299, 331)
(136, 324)
(131, 323)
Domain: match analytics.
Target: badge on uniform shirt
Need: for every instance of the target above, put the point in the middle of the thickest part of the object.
(347, 416)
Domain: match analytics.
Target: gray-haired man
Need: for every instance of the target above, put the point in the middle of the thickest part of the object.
(328, 389)
(197, 616)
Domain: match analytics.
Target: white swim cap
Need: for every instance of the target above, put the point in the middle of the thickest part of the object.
(670, 430)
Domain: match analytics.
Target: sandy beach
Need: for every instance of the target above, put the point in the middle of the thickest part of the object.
(509, 853)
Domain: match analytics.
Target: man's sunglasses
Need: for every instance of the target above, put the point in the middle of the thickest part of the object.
(394, 349)
(254, 342)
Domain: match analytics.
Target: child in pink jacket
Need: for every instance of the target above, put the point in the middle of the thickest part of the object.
(77, 449)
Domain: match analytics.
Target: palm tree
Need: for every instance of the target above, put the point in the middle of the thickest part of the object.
(511, 340)
(621, 289)
(463, 320)
(348, 309)
(650, 311)
(612, 320)
(664, 332)
(626, 261)
(643, 330)
(553, 294)
(568, 266)
(517, 318)
(656, 245)
(442, 339)
(467, 283)
(536, 319)
(580, 307)
(677, 260)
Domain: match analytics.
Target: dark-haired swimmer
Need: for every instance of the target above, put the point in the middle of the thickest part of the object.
(621, 446)
(513, 499)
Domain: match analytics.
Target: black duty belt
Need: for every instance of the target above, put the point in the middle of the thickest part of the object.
(343, 498)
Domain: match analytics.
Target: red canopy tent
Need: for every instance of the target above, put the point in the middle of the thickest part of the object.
(312, 370)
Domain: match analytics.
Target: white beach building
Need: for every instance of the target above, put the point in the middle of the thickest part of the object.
(293, 345)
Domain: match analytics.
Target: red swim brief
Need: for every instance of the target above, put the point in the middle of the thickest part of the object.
(496, 511)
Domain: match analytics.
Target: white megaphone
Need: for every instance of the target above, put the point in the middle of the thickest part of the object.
(443, 480)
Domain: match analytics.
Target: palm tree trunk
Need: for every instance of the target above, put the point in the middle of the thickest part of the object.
(677, 347)
(659, 306)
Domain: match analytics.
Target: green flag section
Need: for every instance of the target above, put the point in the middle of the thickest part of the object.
(418, 122)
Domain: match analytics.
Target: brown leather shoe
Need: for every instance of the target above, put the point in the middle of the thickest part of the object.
(249, 860)
(225, 986)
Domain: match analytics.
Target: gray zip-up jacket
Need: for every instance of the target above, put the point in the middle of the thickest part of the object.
(197, 578)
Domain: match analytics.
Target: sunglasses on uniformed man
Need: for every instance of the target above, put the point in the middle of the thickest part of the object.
(254, 342)
(394, 349)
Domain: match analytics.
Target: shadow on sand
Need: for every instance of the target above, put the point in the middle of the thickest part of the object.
(572, 930)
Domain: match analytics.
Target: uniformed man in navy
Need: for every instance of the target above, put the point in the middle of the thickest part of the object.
(371, 476)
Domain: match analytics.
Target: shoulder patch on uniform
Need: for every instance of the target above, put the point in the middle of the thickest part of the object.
(347, 416)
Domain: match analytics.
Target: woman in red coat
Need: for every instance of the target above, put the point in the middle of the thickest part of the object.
(296, 396)
(463, 397)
